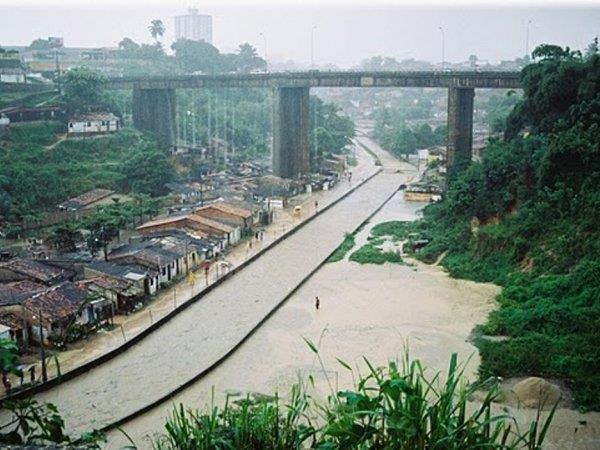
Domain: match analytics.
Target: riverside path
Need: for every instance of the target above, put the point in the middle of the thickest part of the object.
(202, 334)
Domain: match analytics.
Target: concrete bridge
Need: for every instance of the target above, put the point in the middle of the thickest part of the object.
(154, 103)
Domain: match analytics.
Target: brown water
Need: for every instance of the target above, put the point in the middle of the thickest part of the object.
(365, 311)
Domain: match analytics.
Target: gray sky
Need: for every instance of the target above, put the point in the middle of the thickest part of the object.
(346, 31)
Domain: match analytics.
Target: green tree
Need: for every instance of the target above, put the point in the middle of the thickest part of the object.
(83, 88)
(148, 170)
(9, 359)
(156, 29)
(40, 44)
(129, 48)
(194, 56)
(247, 59)
(65, 236)
(331, 131)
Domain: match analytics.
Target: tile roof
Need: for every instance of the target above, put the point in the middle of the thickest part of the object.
(15, 292)
(58, 302)
(228, 209)
(36, 270)
(93, 116)
(148, 253)
(117, 285)
(163, 221)
(191, 220)
(210, 223)
(118, 270)
(11, 320)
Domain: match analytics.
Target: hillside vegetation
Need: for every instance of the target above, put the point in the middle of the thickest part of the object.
(527, 217)
(39, 171)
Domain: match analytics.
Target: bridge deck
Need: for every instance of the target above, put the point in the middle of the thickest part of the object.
(445, 79)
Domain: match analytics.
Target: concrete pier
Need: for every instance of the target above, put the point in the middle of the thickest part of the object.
(154, 111)
(460, 127)
(291, 131)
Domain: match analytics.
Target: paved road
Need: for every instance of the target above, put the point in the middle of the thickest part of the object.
(205, 331)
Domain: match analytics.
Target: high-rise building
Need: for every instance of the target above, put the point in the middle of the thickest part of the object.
(194, 26)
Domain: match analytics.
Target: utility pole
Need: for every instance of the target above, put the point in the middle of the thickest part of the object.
(209, 136)
(527, 39)
(42, 349)
(201, 191)
(187, 267)
(58, 74)
(312, 46)
(443, 48)
(265, 51)
(233, 130)
(193, 129)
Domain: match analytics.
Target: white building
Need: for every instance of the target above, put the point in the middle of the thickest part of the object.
(93, 123)
(194, 26)
(11, 69)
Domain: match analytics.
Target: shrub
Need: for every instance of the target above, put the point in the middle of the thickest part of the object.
(399, 406)
(371, 254)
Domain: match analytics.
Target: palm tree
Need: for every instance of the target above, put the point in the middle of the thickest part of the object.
(156, 29)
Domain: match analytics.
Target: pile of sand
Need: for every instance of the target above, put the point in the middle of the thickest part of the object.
(533, 392)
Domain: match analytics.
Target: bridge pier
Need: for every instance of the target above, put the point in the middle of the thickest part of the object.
(460, 128)
(291, 131)
(154, 111)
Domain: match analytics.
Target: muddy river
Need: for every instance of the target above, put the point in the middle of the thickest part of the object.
(366, 310)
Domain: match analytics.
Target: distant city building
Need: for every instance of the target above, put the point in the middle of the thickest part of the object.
(194, 26)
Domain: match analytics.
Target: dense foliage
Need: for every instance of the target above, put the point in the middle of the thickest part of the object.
(331, 131)
(497, 108)
(189, 57)
(394, 133)
(394, 407)
(527, 217)
(36, 425)
(37, 172)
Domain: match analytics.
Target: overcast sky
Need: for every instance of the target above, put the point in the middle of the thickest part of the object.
(347, 31)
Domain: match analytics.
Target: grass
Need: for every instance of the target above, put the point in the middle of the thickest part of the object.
(341, 252)
(400, 406)
(32, 134)
(398, 230)
(371, 254)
